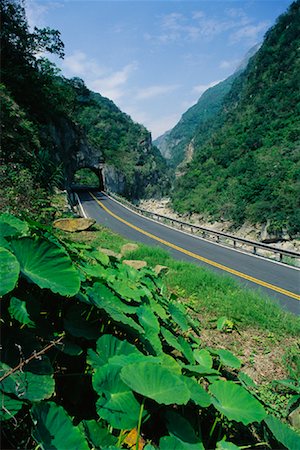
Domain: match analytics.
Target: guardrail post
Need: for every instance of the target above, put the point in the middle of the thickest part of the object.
(234, 243)
(254, 250)
(280, 256)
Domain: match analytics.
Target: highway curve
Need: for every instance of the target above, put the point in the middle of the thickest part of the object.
(278, 281)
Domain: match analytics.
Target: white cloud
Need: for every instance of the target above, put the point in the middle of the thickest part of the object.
(200, 88)
(154, 91)
(36, 12)
(78, 64)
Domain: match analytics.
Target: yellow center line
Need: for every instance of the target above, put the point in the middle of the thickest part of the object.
(200, 258)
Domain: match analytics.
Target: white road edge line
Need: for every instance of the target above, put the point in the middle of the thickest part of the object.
(201, 238)
(81, 207)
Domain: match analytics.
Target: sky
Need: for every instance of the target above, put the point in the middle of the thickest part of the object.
(154, 58)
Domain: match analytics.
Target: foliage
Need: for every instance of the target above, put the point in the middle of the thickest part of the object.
(91, 354)
(246, 162)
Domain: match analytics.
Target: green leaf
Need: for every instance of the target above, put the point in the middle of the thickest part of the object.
(104, 298)
(203, 358)
(225, 445)
(9, 271)
(46, 265)
(227, 358)
(127, 290)
(100, 257)
(236, 403)
(198, 393)
(18, 310)
(150, 323)
(76, 324)
(178, 314)
(116, 404)
(107, 347)
(9, 406)
(203, 371)
(156, 382)
(246, 380)
(12, 226)
(54, 429)
(181, 428)
(97, 434)
(283, 433)
(186, 349)
(171, 339)
(27, 385)
(173, 443)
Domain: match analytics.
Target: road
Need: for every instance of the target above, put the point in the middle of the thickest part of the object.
(278, 281)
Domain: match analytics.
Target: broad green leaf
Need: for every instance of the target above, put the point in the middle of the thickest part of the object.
(203, 358)
(150, 323)
(70, 348)
(107, 347)
(283, 433)
(9, 406)
(12, 226)
(116, 404)
(236, 403)
(181, 428)
(202, 371)
(186, 349)
(9, 271)
(17, 309)
(46, 265)
(225, 445)
(100, 257)
(173, 443)
(94, 271)
(156, 382)
(198, 393)
(171, 339)
(227, 358)
(97, 434)
(27, 385)
(54, 429)
(179, 315)
(127, 290)
(104, 298)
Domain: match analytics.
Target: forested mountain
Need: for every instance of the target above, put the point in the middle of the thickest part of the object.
(46, 120)
(173, 144)
(246, 161)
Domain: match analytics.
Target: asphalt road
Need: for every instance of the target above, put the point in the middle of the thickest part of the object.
(278, 281)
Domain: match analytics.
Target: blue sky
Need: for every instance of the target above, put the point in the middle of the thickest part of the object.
(155, 58)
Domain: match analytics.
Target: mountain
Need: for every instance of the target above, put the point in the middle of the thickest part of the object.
(173, 144)
(49, 124)
(246, 167)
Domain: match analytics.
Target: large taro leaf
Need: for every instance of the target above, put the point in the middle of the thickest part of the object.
(226, 358)
(76, 323)
(156, 382)
(18, 310)
(203, 358)
(150, 323)
(179, 315)
(12, 226)
(198, 393)
(128, 290)
(8, 406)
(180, 427)
(46, 265)
(104, 298)
(9, 271)
(54, 429)
(26, 385)
(116, 403)
(97, 434)
(283, 433)
(173, 443)
(107, 347)
(236, 403)
(186, 349)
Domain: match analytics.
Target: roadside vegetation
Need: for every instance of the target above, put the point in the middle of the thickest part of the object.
(101, 355)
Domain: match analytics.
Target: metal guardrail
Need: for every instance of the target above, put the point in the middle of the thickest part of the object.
(207, 233)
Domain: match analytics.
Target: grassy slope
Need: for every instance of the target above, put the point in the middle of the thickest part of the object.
(264, 336)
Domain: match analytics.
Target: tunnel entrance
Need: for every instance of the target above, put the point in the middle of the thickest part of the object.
(88, 178)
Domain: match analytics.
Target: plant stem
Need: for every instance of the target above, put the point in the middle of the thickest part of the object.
(214, 426)
(120, 439)
(254, 445)
(139, 425)
(35, 355)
